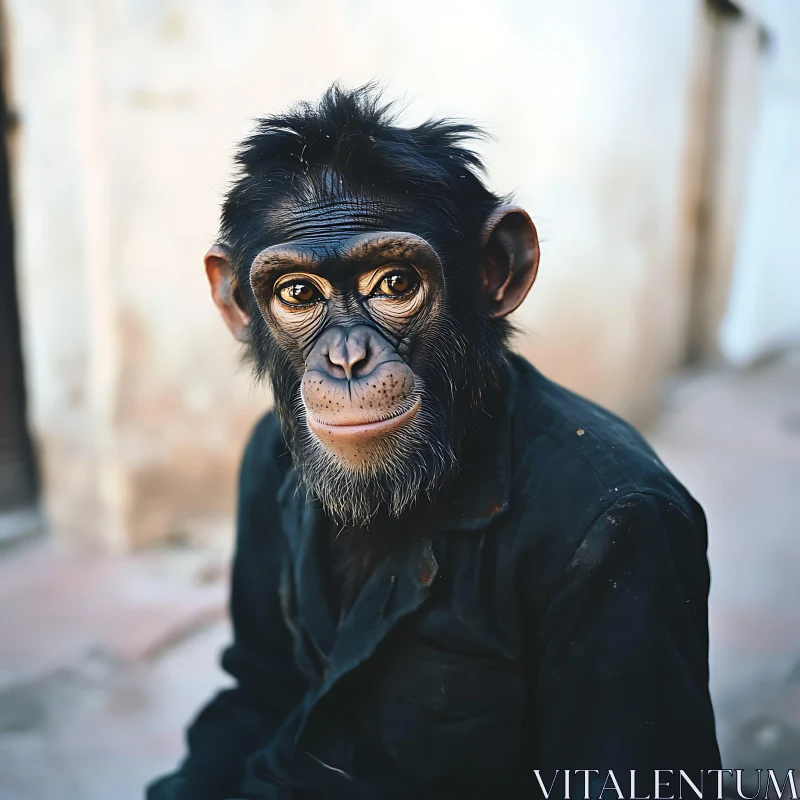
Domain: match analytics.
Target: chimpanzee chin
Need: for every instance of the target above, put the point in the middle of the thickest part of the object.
(370, 271)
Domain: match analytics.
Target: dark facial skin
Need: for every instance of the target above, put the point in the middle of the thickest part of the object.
(358, 306)
(348, 312)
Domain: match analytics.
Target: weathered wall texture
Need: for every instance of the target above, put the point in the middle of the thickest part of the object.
(129, 111)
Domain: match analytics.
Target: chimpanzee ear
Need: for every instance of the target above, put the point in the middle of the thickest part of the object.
(511, 247)
(224, 291)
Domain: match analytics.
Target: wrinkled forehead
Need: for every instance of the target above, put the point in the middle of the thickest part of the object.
(325, 218)
(339, 231)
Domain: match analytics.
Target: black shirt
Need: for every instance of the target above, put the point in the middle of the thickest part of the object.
(551, 615)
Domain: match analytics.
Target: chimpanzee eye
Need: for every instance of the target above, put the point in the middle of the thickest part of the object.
(396, 284)
(298, 293)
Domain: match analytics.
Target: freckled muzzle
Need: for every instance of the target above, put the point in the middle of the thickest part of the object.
(356, 389)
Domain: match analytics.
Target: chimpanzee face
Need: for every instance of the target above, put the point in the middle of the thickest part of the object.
(349, 302)
(349, 309)
(361, 311)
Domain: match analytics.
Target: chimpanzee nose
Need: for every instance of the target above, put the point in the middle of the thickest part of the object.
(348, 352)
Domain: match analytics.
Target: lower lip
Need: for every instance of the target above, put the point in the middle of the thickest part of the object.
(367, 428)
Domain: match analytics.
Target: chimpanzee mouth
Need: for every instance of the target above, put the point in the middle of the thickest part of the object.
(394, 421)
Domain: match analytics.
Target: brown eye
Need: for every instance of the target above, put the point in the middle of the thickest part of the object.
(397, 284)
(298, 293)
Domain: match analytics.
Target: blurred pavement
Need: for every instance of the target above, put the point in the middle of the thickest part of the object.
(103, 660)
(734, 439)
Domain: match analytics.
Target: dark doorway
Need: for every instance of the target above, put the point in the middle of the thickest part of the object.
(18, 483)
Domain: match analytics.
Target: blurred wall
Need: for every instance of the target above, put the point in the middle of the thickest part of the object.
(129, 110)
(764, 309)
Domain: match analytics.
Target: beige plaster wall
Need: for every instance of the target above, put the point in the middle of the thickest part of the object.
(129, 111)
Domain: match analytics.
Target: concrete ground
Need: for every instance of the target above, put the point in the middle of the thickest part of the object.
(103, 660)
(734, 440)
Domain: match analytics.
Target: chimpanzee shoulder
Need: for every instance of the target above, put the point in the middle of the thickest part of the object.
(573, 463)
(593, 447)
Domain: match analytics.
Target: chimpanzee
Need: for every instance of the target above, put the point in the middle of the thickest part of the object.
(451, 573)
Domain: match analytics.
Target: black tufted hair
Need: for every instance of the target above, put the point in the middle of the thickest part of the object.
(353, 134)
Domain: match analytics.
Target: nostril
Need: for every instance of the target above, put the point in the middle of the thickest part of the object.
(336, 369)
(359, 362)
